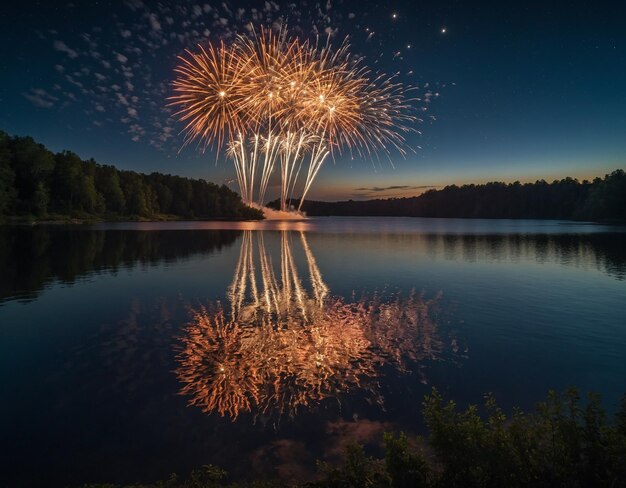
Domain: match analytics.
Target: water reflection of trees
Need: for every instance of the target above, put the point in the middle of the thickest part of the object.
(280, 346)
(32, 257)
(602, 251)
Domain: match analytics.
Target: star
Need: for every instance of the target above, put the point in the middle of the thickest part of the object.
(394, 15)
(443, 30)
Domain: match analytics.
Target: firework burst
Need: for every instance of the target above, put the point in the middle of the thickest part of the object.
(280, 103)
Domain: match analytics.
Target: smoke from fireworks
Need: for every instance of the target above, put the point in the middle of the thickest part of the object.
(282, 104)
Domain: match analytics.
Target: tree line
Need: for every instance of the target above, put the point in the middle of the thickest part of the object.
(568, 199)
(34, 182)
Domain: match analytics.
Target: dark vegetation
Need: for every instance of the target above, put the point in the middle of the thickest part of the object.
(603, 199)
(37, 184)
(561, 444)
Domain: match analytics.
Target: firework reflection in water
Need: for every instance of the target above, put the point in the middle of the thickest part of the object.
(282, 346)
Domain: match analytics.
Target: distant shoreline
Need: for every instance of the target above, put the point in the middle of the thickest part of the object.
(66, 220)
(600, 200)
(22, 221)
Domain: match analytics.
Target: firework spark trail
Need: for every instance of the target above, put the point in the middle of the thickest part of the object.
(289, 98)
(317, 157)
(293, 148)
(236, 151)
(272, 147)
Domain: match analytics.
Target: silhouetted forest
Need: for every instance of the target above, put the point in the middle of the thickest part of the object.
(569, 199)
(34, 182)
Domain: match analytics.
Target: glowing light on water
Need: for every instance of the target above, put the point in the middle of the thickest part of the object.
(285, 343)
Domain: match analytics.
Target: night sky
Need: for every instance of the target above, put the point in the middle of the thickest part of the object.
(512, 90)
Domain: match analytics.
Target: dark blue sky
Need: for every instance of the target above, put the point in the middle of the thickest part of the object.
(517, 90)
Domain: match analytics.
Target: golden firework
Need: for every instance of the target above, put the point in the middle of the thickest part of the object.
(283, 90)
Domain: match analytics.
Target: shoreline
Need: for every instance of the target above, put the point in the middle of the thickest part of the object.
(100, 220)
(29, 221)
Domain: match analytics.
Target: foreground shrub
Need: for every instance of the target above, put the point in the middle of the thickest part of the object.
(561, 444)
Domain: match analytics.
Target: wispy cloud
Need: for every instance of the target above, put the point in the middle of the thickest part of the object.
(154, 22)
(376, 189)
(64, 48)
(391, 191)
(40, 98)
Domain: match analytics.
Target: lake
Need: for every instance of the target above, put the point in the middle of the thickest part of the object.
(129, 351)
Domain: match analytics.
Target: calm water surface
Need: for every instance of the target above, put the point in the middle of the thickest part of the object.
(129, 351)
